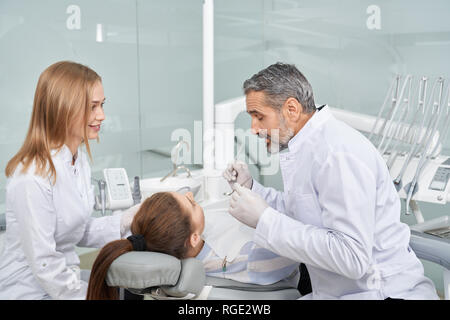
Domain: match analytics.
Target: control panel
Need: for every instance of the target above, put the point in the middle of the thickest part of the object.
(433, 185)
(440, 179)
(118, 190)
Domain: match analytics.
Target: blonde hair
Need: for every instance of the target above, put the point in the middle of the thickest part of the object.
(64, 90)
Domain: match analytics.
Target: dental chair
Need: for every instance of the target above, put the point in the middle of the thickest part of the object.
(158, 276)
(434, 249)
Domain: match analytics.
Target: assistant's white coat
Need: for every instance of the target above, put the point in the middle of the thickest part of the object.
(44, 224)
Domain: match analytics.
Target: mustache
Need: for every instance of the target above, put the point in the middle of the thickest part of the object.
(263, 134)
(277, 139)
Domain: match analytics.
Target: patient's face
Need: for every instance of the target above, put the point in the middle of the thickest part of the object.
(195, 210)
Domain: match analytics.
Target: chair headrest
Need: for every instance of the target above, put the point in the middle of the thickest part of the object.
(142, 269)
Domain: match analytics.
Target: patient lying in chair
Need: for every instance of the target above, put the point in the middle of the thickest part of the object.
(174, 224)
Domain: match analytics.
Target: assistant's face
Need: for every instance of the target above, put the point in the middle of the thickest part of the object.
(97, 114)
(267, 122)
(95, 118)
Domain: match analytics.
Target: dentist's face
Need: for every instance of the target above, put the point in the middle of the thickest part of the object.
(268, 122)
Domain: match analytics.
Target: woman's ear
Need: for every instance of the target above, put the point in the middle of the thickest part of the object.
(194, 239)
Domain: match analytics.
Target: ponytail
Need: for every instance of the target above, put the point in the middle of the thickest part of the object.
(161, 223)
(97, 288)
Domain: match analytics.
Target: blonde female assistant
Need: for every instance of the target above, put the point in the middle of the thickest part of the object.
(49, 195)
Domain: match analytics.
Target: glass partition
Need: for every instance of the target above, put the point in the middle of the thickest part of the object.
(170, 79)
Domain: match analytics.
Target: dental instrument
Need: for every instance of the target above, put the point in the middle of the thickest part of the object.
(388, 124)
(394, 96)
(411, 187)
(425, 136)
(445, 126)
(236, 158)
(442, 175)
(242, 184)
(100, 201)
(137, 196)
(399, 127)
(101, 188)
(414, 144)
(412, 134)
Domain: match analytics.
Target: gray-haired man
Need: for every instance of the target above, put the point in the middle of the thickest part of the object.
(339, 213)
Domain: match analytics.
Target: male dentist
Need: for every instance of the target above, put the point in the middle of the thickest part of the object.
(339, 213)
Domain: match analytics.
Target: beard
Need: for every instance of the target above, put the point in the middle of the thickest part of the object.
(278, 139)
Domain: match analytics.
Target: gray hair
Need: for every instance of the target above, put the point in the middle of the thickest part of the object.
(280, 82)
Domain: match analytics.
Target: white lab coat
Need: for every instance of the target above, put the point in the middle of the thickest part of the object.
(340, 215)
(45, 222)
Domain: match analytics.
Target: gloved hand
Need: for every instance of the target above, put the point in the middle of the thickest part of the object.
(127, 219)
(238, 172)
(246, 205)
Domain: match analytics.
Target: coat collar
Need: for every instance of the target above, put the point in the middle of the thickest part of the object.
(65, 154)
(316, 121)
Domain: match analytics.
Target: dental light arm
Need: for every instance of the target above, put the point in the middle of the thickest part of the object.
(226, 113)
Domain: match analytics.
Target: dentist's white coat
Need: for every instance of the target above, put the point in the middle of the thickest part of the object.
(44, 224)
(340, 215)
